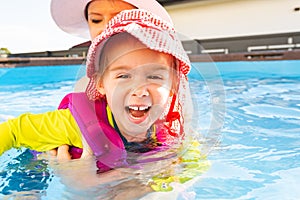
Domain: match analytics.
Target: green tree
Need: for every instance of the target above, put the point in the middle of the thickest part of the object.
(4, 52)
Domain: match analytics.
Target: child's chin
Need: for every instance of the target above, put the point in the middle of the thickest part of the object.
(138, 128)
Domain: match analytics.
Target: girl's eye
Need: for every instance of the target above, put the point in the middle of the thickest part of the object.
(123, 76)
(155, 77)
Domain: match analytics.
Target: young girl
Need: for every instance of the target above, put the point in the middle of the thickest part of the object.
(160, 56)
(88, 18)
(133, 107)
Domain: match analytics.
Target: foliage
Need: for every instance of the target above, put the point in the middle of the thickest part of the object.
(4, 51)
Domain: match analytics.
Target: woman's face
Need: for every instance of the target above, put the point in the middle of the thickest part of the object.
(99, 12)
(137, 86)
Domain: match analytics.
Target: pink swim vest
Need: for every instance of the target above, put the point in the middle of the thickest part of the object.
(104, 140)
(92, 120)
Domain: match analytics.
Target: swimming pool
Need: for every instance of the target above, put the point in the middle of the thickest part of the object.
(259, 129)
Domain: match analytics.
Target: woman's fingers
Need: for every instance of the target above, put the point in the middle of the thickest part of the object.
(63, 153)
(52, 152)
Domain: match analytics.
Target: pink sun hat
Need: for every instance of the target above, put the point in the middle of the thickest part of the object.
(69, 14)
(155, 33)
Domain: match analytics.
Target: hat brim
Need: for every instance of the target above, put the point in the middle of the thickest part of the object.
(69, 14)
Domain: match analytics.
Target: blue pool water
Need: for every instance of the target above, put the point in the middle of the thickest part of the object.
(251, 108)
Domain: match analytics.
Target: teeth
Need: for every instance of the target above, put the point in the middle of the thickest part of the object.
(133, 108)
(138, 108)
(143, 108)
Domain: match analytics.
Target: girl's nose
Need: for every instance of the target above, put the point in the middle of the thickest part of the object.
(141, 92)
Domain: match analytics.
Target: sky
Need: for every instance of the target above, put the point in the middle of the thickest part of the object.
(27, 26)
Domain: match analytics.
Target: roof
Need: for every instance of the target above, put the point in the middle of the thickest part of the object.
(84, 44)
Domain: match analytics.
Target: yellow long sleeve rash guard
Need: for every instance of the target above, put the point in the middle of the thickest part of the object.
(43, 132)
(40, 132)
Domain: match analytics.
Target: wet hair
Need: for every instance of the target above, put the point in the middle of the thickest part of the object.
(123, 40)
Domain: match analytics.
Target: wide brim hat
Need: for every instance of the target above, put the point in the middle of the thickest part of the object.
(155, 33)
(69, 14)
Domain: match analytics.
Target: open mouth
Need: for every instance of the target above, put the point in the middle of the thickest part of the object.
(138, 112)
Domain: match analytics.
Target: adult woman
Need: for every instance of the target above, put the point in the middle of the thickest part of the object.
(88, 18)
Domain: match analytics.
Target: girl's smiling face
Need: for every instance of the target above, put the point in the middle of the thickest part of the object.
(137, 83)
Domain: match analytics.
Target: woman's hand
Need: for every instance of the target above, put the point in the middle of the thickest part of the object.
(61, 153)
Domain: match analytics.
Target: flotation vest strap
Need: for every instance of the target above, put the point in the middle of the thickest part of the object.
(92, 120)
